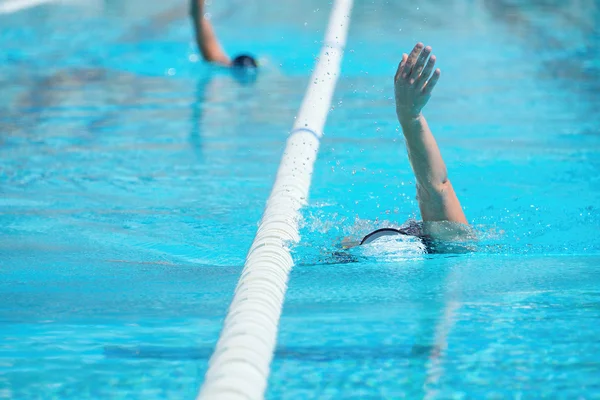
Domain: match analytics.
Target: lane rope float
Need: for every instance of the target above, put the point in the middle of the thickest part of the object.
(240, 365)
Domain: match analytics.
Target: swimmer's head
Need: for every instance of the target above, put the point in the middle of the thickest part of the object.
(245, 69)
(244, 61)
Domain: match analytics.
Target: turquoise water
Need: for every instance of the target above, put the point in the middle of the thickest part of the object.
(133, 177)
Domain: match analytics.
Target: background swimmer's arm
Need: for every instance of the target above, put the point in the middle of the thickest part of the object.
(413, 85)
(205, 36)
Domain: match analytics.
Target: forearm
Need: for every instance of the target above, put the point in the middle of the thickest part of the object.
(437, 199)
(208, 43)
(423, 152)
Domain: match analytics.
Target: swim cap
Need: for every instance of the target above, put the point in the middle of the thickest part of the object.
(406, 246)
(244, 61)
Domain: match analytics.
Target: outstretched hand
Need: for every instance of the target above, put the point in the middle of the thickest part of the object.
(414, 82)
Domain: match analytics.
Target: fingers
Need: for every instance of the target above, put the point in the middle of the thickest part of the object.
(412, 59)
(416, 68)
(431, 83)
(426, 72)
(416, 71)
(400, 67)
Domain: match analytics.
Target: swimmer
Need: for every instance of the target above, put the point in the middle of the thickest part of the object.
(209, 45)
(442, 214)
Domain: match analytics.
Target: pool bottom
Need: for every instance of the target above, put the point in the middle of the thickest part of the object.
(449, 327)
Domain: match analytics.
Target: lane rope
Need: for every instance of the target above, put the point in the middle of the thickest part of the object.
(240, 365)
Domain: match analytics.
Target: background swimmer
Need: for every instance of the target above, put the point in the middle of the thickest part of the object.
(209, 45)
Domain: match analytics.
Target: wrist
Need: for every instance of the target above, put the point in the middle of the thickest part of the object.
(407, 117)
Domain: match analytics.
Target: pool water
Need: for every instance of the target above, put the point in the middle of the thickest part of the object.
(133, 176)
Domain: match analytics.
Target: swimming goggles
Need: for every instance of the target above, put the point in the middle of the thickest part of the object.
(371, 237)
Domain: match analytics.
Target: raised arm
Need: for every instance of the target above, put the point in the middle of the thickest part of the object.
(413, 85)
(205, 36)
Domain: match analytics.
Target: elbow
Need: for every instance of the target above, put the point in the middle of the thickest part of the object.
(433, 189)
(442, 186)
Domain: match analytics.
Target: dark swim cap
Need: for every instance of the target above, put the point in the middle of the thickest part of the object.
(244, 61)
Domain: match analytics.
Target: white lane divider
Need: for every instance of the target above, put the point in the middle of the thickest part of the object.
(11, 6)
(239, 367)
